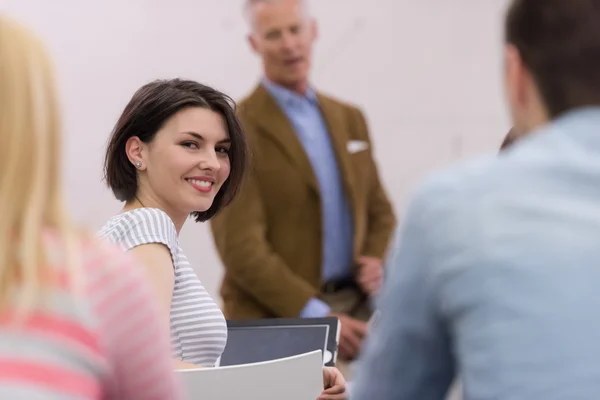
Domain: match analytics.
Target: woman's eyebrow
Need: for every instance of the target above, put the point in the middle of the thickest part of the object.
(194, 134)
(200, 137)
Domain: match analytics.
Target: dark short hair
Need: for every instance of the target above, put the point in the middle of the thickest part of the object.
(559, 42)
(147, 111)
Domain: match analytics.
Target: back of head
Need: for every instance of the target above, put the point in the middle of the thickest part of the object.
(559, 43)
(29, 158)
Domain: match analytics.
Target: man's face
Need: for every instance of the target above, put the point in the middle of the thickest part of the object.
(283, 36)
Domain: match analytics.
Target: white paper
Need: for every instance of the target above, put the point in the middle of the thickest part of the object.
(294, 378)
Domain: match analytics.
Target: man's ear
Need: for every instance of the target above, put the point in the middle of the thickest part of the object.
(253, 43)
(314, 28)
(134, 148)
(514, 76)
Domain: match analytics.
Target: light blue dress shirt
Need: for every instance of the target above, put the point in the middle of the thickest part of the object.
(310, 127)
(496, 276)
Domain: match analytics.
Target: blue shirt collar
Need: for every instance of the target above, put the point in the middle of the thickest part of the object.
(288, 97)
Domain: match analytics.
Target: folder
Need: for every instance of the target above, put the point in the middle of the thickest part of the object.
(256, 340)
(293, 378)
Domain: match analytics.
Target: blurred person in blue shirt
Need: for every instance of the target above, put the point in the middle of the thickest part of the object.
(495, 272)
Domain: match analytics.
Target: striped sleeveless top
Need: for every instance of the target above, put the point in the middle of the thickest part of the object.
(198, 327)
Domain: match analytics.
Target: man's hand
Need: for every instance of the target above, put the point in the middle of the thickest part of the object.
(334, 385)
(370, 274)
(351, 336)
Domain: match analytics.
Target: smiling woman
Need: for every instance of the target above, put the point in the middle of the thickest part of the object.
(177, 150)
(177, 124)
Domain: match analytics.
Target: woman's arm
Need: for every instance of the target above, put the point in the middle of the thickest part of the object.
(156, 258)
(158, 263)
(178, 364)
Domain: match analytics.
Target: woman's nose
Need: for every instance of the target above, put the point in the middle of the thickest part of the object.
(210, 161)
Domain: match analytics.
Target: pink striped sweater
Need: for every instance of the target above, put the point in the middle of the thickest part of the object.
(112, 343)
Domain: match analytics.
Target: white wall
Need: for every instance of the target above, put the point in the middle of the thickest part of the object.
(427, 73)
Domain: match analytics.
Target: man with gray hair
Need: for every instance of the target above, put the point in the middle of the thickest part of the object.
(308, 232)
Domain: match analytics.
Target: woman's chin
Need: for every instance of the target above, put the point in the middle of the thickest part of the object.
(202, 208)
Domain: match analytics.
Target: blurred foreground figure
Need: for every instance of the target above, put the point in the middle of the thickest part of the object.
(77, 320)
(495, 273)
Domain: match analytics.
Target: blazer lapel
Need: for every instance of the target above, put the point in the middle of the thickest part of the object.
(337, 126)
(274, 121)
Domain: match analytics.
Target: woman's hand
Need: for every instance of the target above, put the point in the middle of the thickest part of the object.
(334, 385)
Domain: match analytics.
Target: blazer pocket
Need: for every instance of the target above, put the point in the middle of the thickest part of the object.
(357, 146)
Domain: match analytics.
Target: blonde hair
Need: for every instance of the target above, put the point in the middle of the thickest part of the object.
(30, 190)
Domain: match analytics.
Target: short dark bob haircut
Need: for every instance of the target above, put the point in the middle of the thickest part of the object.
(147, 111)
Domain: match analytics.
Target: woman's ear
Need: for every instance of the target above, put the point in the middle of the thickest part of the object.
(134, 148)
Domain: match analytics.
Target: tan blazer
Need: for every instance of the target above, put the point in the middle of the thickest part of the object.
(269, 238)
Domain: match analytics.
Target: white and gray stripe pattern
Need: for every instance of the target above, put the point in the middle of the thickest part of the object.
(198, 327)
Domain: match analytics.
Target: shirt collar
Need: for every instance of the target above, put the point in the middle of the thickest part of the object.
(288, 97)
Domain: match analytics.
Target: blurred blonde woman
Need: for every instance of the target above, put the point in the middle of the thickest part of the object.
(77, 319)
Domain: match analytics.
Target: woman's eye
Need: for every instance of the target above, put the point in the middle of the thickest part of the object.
(190, 145)
(223, 150)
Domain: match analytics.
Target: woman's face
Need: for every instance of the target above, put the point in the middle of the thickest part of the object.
(187, 162)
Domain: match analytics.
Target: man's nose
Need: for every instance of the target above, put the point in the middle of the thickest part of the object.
(288, 41)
